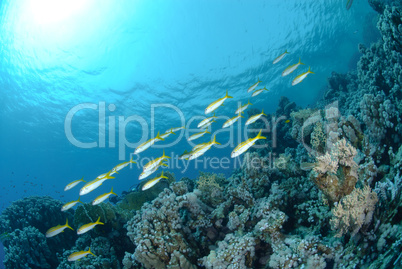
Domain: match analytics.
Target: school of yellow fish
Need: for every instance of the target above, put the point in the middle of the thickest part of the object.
(152, 166)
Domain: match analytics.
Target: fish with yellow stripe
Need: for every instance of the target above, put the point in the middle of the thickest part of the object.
(69, 205)
(206, 121)
(149, 172)
(103, 197)
(198, 135)
(252, 87)
(87, 227)
(202, 149)
(185, 155)
(301, 77)
(120, 166)
(291, 68)
(231, 121)
(257, 92)
(92, 185)
(167, 133)
(280, 57)
(243, 107)
(151, 164)
(57, 229)
(214, 105)
(148, 143)
(73, 184)
(244, 146)
(254, 118)
(79, 255)
(152, 182)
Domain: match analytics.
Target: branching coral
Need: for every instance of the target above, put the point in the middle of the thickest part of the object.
(335, 173)
(354, 211)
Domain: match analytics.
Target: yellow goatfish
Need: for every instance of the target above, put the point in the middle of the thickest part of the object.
(149, 172)
(206, 125)
(198, 146)
(147, 144)
(243, 107)
(167, 133)
(349, 4)
(102, 197)
(198, 135)
(177, 129)
(152, 182)
(280, 57)
(201, 150)
(205, 121)
(151, 164)
(57, 229)
(185, 155)
(231, 121)
(255, 117)
(90, 186)
(257, 92)
(214, 105)
(118, 167)
(291, 68)
(244, 146)
(69, 205)
(300, 77)
(78, 255)
(73, 184)
(252, 87)
(87, 227)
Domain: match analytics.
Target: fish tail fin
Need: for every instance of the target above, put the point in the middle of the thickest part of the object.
(68, 226)
(249, 102)
(79, 200)
(300, 61)
(131, 160)
(262, 112)
(82, 179)
(309, 71)
(259, 136)
(206, 131)
(227, 95)
(265, 88)
(162, 176)
(159, 137)
(214, 141)
(111, 192)
(89, 251)
(287, 52)
(165, 156)
(98, 221)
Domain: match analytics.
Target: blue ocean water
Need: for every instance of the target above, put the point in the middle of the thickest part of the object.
(123, 70)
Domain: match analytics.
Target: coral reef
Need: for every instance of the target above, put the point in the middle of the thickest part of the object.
(26, 221)
(335, 173)
(354, 211)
